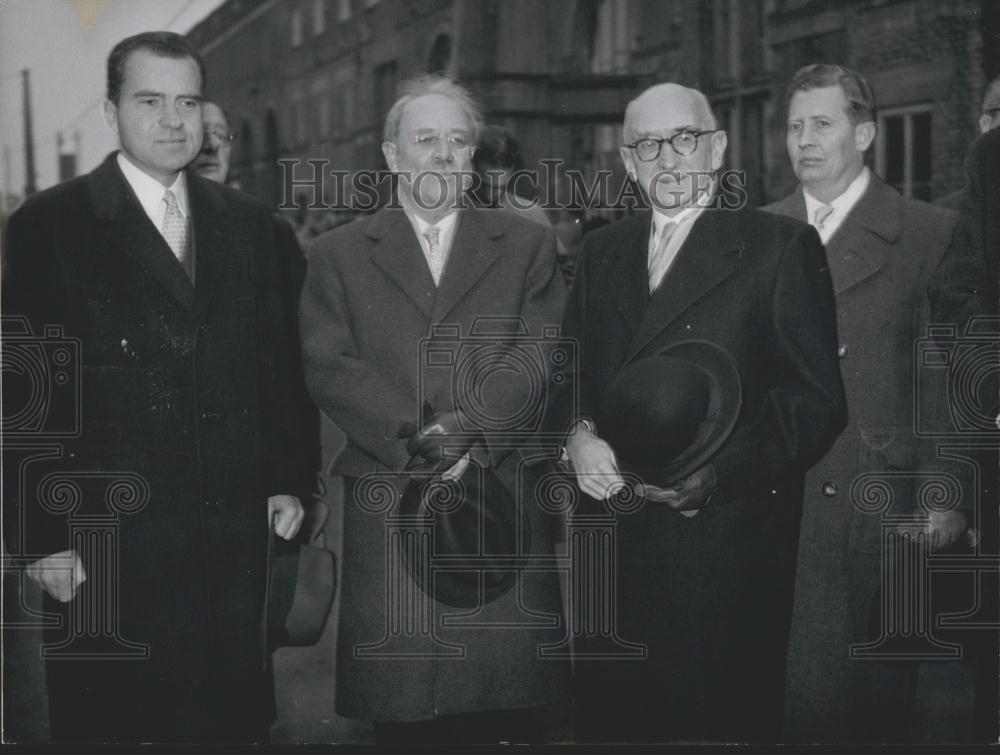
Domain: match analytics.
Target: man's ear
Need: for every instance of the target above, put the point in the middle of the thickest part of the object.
(111, 115)
(628, 161)
(719, 143)
(864, 135)
(984, 123)
(389, 152)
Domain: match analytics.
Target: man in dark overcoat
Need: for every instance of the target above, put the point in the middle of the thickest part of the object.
(964, 296)
(704, 568)
(147, 525)
(391, 306)
(883, 249)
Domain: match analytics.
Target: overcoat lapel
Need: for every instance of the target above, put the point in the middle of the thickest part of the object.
(629, 276)
(705, 260)
(473, 251)
(397, 253)
(129, 231)
(861, 246)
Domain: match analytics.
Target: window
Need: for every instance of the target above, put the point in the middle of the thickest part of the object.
(343, 11)
(323, 124)
(296, 27)
(319, 17)
(613, 38)
(903, 156)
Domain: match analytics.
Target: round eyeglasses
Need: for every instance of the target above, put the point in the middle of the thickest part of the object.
(683, 143)
(220, 135)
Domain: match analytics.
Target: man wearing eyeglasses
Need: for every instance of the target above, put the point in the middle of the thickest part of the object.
(430, 269)
(704, 570)
(217, 148)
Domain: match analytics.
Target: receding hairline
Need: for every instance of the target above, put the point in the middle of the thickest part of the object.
(701, 107)
(406, 106)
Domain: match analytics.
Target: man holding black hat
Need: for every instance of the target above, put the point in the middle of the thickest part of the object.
(729, 312)
(410, 321)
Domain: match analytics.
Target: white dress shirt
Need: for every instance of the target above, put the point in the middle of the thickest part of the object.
(842, 205)
(150, 191)
(658, 264)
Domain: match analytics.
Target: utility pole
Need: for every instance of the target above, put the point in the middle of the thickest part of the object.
(29, 139)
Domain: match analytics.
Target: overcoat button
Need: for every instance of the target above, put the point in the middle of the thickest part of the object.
(842, 351)
(830, 489)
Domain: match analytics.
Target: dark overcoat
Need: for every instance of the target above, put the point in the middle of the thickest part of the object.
(370, 318)
(881, 258)
(709, 597)
(171, 419)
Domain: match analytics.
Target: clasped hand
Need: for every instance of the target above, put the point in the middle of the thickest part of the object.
(598, 475)
(426, 444)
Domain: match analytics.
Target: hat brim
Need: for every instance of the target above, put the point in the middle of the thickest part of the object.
(725, 400)
(481, 525)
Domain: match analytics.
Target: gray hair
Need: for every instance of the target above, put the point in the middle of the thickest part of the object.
(421, 86)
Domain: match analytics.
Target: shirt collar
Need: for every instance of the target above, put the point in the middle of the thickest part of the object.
(150, 191)
(445, 225)
(844, 203)
(687, 215)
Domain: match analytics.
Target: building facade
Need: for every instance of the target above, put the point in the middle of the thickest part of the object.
(312, 80)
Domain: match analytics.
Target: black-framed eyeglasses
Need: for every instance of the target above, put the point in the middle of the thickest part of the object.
(991, 111)
(683, 143)
(220, 134)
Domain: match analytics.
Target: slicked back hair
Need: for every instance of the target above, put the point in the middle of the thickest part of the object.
(164, 43)
(431, 84)
(857, 92)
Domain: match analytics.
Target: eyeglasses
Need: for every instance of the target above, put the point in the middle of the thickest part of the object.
(456, 141)
(991, 111)
(683, 143)
(221, 135)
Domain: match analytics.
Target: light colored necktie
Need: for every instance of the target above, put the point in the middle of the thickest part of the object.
(435, 257)
(821, 215)
(658, 262)
(177, 232)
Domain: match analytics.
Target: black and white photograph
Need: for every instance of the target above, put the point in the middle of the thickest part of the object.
(500, 372)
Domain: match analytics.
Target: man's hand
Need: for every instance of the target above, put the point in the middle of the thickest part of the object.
(59, 574)
(290, 515)
(595, 464)
(443, 431)
(945, 528)
(688, 495)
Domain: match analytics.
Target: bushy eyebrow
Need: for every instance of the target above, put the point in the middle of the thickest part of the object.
(679, 129)
(151, 93)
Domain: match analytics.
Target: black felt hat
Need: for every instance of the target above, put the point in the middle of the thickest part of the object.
(475, 546)
(666, 415)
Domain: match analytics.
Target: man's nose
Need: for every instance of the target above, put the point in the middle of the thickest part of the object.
(667, 159)
(170, 117)
(805, 137)
(442, 151)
